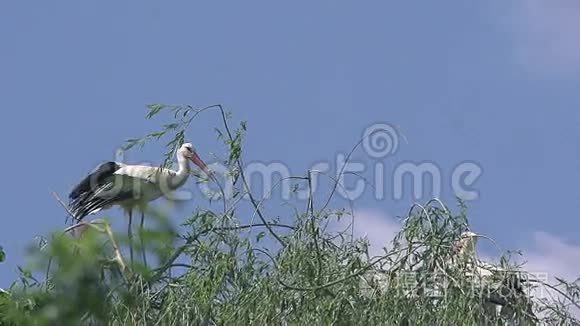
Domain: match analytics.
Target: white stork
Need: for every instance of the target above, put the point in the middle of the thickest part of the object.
(504, 281)
(130, 186)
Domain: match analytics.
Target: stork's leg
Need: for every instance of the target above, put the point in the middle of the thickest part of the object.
(130, 235)
(141, 238)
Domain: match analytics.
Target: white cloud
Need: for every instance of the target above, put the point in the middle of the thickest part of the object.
(552, 255)
(547, 35)
(556, 258)
(379, 228)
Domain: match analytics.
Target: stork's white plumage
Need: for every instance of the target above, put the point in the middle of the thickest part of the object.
(503, 281)
(464, 250)
(130, 186)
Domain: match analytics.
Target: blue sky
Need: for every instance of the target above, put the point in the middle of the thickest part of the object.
(490, 82)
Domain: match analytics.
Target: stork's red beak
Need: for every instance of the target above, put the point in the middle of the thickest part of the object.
(197, 161)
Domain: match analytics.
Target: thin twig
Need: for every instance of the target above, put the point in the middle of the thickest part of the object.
(246, 185)
(55, 195)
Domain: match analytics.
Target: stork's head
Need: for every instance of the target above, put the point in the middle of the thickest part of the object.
(466, 243)
(469, 235)
(188, 151)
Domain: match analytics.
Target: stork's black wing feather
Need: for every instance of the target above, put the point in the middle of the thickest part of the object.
(95, 179)
(87, 196)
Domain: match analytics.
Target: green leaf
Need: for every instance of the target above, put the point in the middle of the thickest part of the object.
(154, 109)
(171, 126)
(2, 254)
(130, 143)
(260, 236)
(157, 135)
(219, 133)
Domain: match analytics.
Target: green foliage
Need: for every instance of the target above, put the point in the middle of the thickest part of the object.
(219, 271)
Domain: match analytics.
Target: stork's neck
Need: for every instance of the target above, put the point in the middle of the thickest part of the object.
(182, 171)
